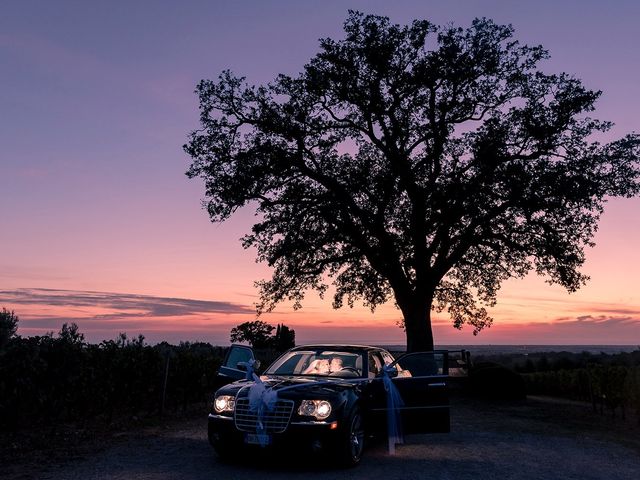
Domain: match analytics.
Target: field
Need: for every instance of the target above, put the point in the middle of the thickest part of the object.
(62, 400)
(523, 440)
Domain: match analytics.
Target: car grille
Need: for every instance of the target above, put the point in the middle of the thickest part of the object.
(274, 421)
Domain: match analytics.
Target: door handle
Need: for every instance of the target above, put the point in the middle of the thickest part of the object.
(441, 384)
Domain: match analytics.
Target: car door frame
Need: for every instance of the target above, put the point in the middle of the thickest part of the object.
(425, 398)
(229, 370)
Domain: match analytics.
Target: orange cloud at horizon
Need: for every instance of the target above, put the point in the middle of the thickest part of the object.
(102, 315)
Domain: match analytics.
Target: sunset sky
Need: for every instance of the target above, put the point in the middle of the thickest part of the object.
(101, 227)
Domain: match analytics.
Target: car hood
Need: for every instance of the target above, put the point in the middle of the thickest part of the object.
(292, 386)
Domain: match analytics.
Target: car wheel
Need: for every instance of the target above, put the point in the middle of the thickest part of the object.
(352, 444)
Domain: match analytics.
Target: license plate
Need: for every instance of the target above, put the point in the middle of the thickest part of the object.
(257, 439)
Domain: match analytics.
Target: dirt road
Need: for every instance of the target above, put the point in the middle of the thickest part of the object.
(533, 440)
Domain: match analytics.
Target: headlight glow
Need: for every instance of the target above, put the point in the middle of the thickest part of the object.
(224, 403)
(320, 409)
(324, 409)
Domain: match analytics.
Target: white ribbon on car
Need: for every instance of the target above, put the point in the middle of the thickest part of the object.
(263, 398)
(394, 404)
(260, 399)
(249, 365)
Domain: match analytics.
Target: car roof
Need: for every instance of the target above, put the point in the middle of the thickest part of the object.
(334, 346)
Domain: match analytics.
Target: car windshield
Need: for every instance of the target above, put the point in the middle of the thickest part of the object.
(318, 362)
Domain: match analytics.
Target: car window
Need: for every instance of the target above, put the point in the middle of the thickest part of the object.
(420, 364)
(322, 362)
(375, 364)
(238, 354)
(292, 364)
(388, 358)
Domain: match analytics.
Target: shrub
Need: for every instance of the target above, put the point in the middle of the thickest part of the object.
(47, 380)
(491, 380)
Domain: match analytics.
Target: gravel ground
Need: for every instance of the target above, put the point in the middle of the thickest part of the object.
(533, 440)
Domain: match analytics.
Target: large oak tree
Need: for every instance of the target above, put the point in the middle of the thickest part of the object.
(417, 163)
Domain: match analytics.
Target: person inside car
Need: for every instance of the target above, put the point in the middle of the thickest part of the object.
(319, 366)
(335, 365)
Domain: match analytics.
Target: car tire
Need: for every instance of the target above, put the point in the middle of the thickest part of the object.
(351, 445)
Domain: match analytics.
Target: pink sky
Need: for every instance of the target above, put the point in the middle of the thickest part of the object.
(101, 227)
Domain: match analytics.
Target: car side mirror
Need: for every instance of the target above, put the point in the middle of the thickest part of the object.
(242, 365)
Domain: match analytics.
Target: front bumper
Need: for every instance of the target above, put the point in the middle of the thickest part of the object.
(313, 437)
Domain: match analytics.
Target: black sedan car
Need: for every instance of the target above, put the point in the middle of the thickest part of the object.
(325, 398)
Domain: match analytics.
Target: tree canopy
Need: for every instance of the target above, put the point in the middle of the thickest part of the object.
(420, 163)
(259, 335)
(8, 326)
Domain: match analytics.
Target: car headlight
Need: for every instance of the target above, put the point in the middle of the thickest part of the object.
(224, 403)
(320, 409)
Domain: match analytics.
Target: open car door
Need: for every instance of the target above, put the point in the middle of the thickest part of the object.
(230, 370)
(422, 383)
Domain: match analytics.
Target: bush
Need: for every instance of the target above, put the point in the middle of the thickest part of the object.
(610, 381)
(47, 380)
(610, 387)
(494, 381)
(8, 326)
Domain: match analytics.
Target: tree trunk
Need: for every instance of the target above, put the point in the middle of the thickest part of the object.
(417, 323)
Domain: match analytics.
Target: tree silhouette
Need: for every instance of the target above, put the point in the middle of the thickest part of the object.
(256, 333)
(259, 335)
(421, 163)
(8, 326)
(284, 338)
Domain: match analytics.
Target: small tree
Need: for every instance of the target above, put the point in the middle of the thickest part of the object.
(71, 335)
(284, 339)
(259, 335)
(420, 164)
(256, 333)
(8, 326)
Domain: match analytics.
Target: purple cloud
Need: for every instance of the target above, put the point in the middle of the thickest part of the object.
(124, 305)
